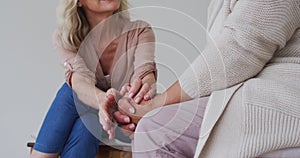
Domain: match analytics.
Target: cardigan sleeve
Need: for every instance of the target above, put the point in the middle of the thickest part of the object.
(144, 53)
(71, 62)
(251, 34)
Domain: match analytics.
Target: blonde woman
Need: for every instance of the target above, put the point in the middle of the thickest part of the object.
(124, 53)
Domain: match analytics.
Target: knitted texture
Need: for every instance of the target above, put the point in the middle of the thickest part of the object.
(253, 34)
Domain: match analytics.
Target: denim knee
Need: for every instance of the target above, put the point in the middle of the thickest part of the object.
(58, 122)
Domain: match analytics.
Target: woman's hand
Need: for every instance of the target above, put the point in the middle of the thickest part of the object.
(137, 111)
(128, 107)
(172, 95)
(107, 109)
(106, 106)
(140, 91)
(126, 128)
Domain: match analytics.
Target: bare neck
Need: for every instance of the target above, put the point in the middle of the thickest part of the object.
(95, 18)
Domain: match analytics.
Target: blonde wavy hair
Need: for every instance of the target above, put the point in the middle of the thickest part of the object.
(73, 25)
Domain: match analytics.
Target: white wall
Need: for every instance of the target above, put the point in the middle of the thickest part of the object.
(30, 73)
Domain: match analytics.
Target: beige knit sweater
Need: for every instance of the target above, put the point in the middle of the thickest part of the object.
(251, 69)
(245, 37)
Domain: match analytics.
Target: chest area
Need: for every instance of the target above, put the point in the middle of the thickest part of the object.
(108, 56)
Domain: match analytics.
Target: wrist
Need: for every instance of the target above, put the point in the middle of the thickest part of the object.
(159, 100)
(100, 95)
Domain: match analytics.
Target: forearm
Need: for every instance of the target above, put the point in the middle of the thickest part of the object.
(86, 91)
(172, 95)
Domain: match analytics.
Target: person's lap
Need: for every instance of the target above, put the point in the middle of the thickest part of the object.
(170, 131)
(58, 123)
(70, 127)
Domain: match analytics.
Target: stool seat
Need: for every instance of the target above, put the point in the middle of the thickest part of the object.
(115, 149)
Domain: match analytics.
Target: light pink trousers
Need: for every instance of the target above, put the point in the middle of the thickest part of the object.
(171, 131)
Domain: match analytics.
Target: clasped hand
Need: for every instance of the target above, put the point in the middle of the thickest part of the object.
(125, 108)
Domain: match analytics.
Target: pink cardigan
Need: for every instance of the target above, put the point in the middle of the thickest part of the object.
(134, 55)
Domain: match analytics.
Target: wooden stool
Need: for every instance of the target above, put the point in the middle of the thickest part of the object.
(105, 151)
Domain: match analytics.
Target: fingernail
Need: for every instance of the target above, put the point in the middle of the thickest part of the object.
(126, 119)
(137, 100)
(132, 110)
(130, 95)
(105, 119)
(131, 126)
(147, 97)
(104, 127)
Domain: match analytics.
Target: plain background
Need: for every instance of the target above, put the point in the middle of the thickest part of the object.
(31, 74)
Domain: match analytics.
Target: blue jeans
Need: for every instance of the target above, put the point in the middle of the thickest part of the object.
(71, 128)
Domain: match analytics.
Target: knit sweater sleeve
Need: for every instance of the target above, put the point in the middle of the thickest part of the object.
(251, 34)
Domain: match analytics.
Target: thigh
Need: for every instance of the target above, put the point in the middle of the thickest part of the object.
(171, 131)
(58, 122)
(81, 142)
